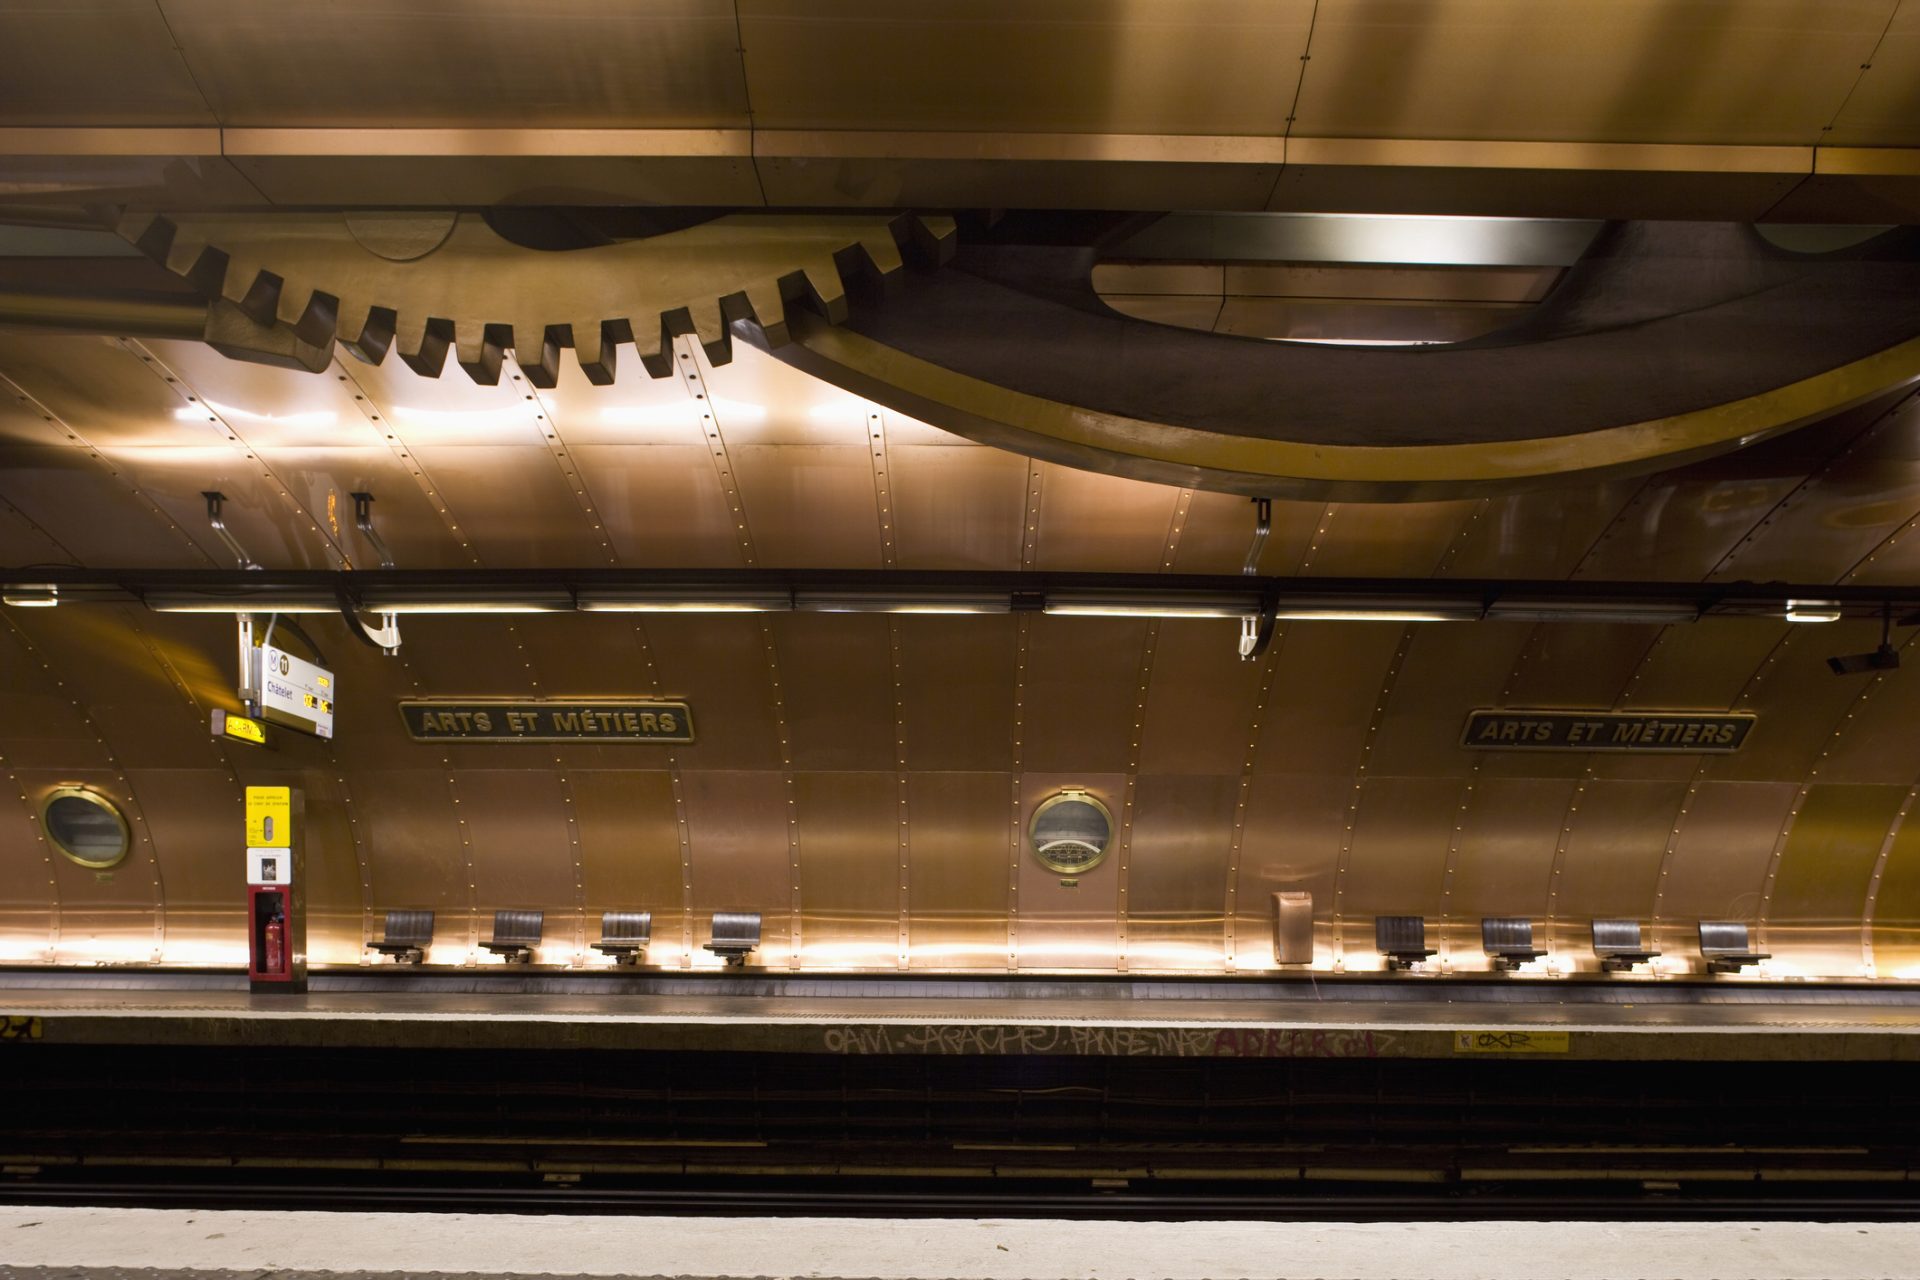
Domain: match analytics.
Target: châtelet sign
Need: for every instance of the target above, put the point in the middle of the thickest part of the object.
(547, 720)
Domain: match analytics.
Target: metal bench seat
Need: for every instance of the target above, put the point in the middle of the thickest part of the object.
(408, 935)
(1509, 940)
(516, 934)
(625, 934)
(1725, 947)
(1618, 944)
(1402, 940)
(735, 935)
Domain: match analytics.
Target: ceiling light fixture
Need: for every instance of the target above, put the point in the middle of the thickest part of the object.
(32, 597)
(1812, 611)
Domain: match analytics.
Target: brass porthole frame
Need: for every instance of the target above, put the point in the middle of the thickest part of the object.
(98, 801)
(1066, 794)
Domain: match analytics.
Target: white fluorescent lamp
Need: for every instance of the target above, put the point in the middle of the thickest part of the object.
(1195, 606)
(1375, 615)
(187, 602)
(1593, 611)
(883, 602)
(1812, 611)
(468, 606)
(686, 601)
(45, 597)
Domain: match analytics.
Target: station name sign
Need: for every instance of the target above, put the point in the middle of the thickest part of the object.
(1606, 731)
(543, 720)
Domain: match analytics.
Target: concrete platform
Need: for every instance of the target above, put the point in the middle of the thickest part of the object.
(1806, 1025)
(136, 1244)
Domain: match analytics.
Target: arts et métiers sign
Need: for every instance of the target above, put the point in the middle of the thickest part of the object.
(1649, 731)
(547, 720)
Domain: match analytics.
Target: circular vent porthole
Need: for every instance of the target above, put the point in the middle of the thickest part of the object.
(1070, 830)
(85, 826)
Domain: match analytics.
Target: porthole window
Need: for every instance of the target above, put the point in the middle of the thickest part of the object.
(1070, 831)
(86, 826)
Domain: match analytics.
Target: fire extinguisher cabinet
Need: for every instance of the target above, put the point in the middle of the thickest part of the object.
(270, 954)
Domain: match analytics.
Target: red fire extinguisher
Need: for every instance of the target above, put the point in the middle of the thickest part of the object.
(276, 944)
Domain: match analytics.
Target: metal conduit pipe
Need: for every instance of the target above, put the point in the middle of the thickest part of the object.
(119, 317)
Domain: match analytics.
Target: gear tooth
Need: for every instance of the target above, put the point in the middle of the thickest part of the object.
(882, 253)
(409, 332)
(768, 310)
(596, 346)
(825, 290)
(536, 349)
(350, 321)
(184, 253)
(934, 238)
(293, 301)
(371, 336)
(480, 349)
(151, 233)
(423, 344)
(709, 327)
(654, 345)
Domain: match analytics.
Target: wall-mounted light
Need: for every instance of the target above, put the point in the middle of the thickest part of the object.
(685, 601)
(1075, 605)
(899, 602)
(32, 597)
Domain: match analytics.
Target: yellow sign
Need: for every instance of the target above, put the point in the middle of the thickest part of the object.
(1512, 1041)
(15, 1026)
(230, 725)
(269, 818)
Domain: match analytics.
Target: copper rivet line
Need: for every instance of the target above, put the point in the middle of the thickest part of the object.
(687, 368)
(903, 832)
(549, 428)
(794, 939)
(1269, 664)
(380, 418)
(1019, 824)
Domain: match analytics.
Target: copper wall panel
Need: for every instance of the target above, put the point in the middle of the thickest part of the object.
(1290, 841)
(1884, 108)
(637, 409)
(629, 836)
(1592, 72)
(959, 506)
(737, 825)
(339, 919)
(1719, 860)
(416, 852)
(1068, 922)
(719, 665)
(1160, 66)
(30, 912)
(1681, 524)
(1616, 838)
(959, 845)
(1219, 532)
(809, 506)
(514, 504)
(1799, 701)
(91, 514)
(958, 692)
(836, 680)
(1328, 679)
(520, 837)
(1080, 690)
(1398, 862)
(579, 655)
(1448, 670)
(1098, 522)
(1541, 533)
(1895, 923)
(571, 63)
(1820, 888)
(115, 916)
(1503, 862)
(662, 505)
(1393, 540)
(1200, 700)
(1182, 845)
(193, 825)
(1875, 743)
(850, 873)
(105, 62)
